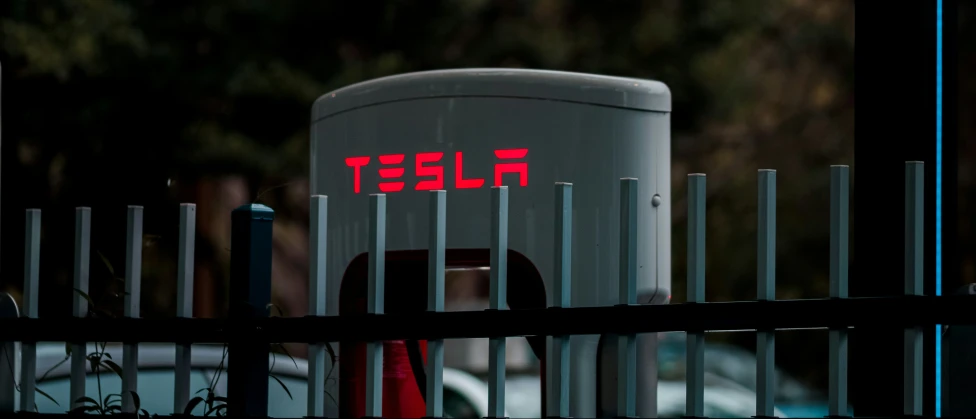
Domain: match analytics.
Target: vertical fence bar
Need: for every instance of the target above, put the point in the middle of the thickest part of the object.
(695, 406)
(184, 303)
(436, 261)
(1, 102)
(376, 297)
(766, 287)
(318, 229)
(8, 358)
(914, 257)
(627, 346)
(1, 112)
(79, 304)
(557, 363)
(839, 236)
(250, 297)
(32, 269)
(133, 292)
(498, 293)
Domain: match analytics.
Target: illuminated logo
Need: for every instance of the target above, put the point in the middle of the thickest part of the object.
(426, 166)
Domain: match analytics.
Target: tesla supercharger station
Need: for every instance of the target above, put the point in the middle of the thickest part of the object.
(464, 131)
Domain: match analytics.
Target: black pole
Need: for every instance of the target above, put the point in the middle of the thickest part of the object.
(250, 294)
(959, 366)
(876, 375)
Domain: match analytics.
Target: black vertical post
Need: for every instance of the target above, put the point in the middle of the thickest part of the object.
(876, 376)
(959, 366)
(250, 294)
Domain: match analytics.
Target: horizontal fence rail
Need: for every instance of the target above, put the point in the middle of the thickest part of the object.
(249, 331)
(622, 320)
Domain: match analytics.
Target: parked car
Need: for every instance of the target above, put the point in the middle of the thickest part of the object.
(156, 378)
(523, 399)
(464, 394)
(729, 364)
(720, 402)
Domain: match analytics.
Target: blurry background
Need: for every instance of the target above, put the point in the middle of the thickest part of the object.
(967, 143)
(110, 103)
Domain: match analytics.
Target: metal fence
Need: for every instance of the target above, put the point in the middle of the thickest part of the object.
(249, 330)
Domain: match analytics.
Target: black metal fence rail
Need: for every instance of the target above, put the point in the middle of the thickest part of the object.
(710, 317)
(249, 330)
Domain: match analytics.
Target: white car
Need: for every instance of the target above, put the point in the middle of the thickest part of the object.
(723, 398)
(737, 365)
(720, 402)
(464, 394)
(156, 378)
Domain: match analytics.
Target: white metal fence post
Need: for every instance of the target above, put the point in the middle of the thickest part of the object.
(79, 361)
(839, 234)
(184, 303)
(557, 364)
(766, 339)
(436, 261)
(914, 259)
(318, 236)
(32, 266)
(133, 292)
(375, 303)
(627, 344)
(695, 350)
(498, 298)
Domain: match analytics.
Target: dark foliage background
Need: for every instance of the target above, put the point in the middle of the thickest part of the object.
(150, 102)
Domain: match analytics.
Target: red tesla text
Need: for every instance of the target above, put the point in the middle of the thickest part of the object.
(356, 163)
(459, 181)
(522, 169)
(428, 166)
(437, 183)
(391, 173)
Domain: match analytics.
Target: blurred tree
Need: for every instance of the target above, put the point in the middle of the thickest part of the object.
(149, 102)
